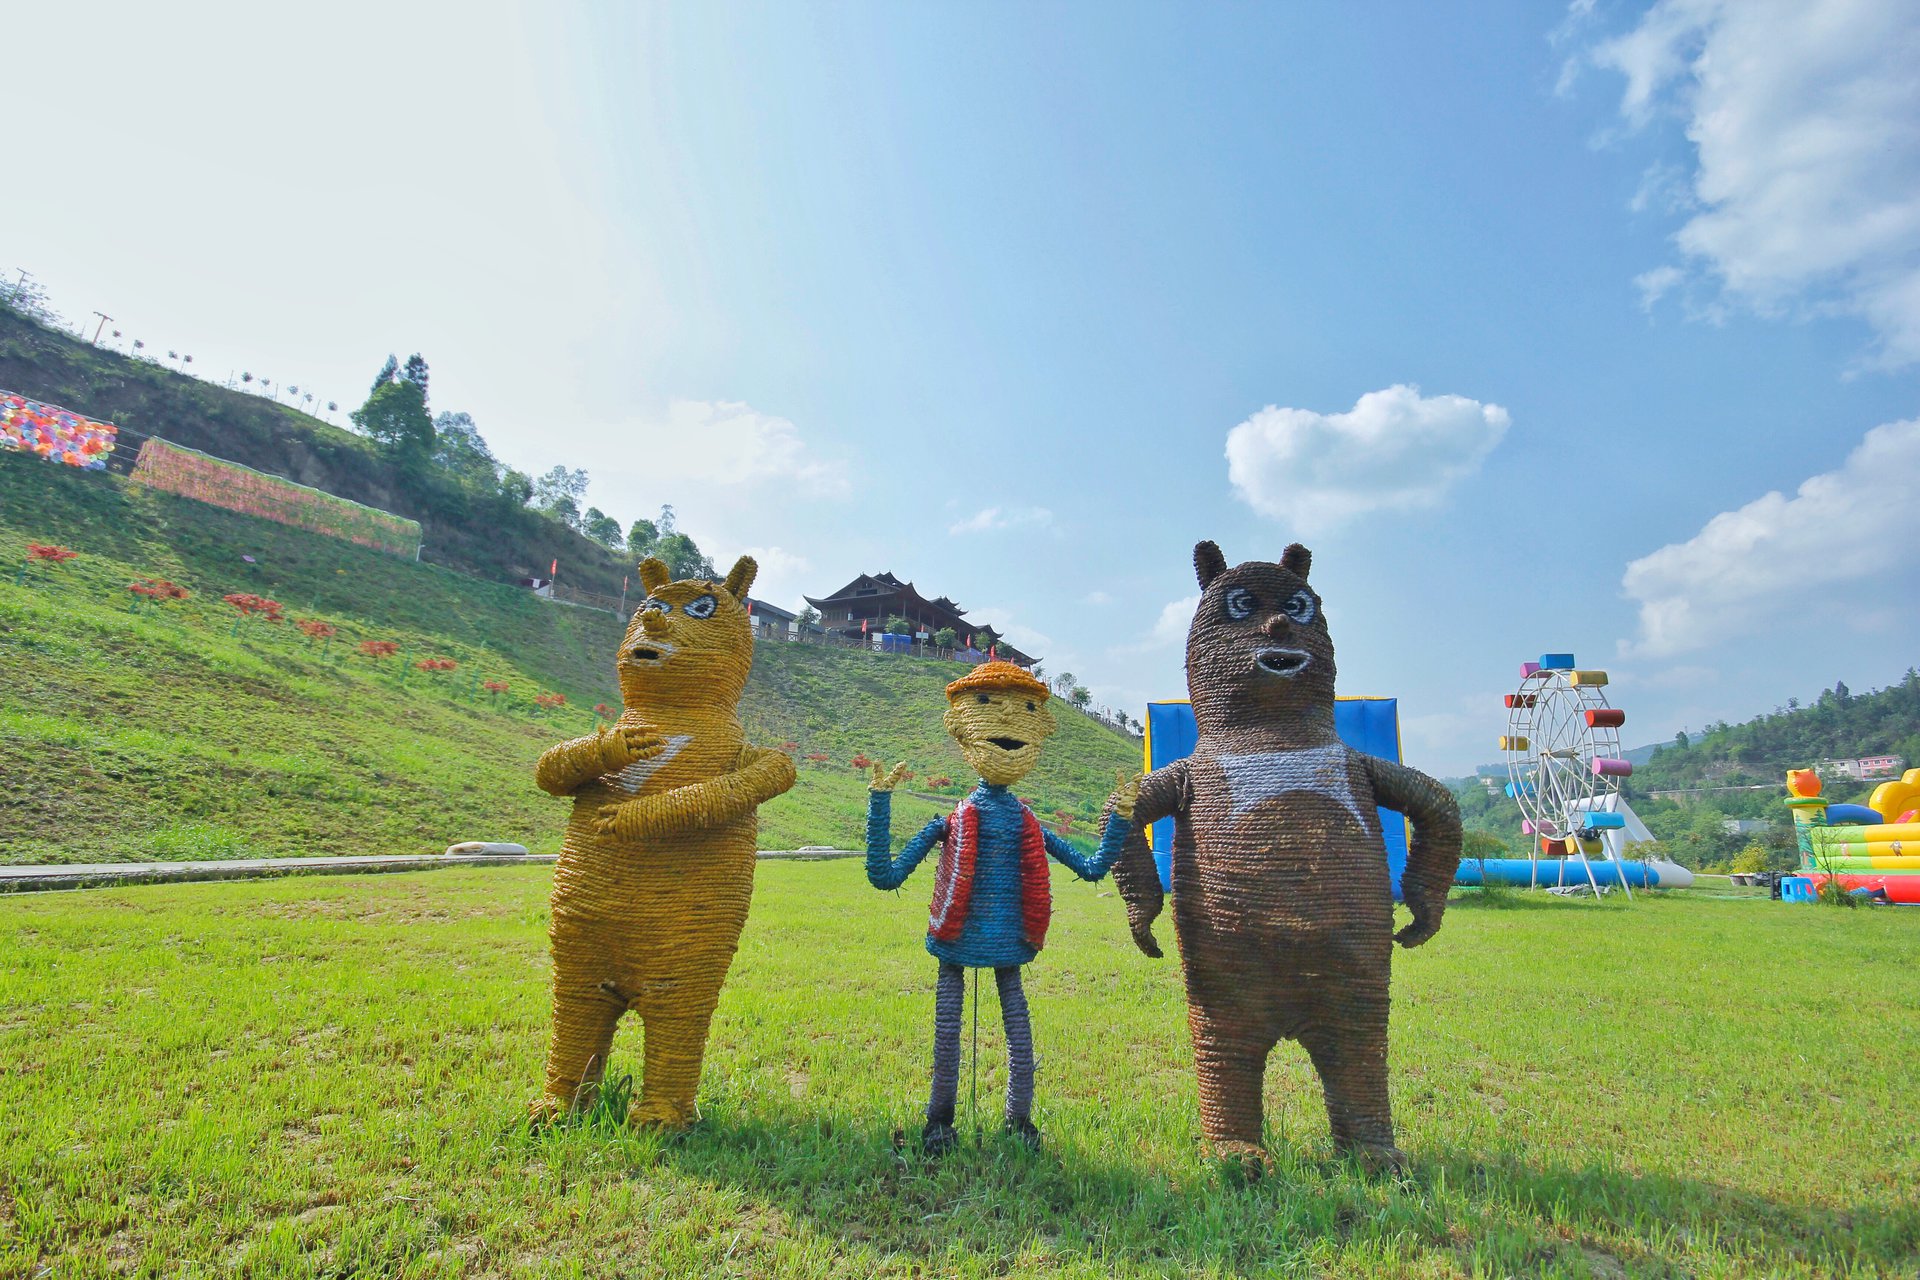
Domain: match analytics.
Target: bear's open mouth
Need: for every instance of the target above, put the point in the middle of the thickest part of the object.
(1282, 662)
(648, 652)
(1007, 744)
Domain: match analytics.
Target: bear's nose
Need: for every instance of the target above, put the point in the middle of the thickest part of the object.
(1276, 626)
(653, 622)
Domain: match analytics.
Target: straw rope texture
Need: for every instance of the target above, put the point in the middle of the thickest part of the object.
(656, 871)
(1282, 904)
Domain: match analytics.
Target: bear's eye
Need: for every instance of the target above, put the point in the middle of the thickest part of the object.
(981, 697)
(1029, 706)
(1300, 606)
(701, 608)
(1239, 603)
(652, 605)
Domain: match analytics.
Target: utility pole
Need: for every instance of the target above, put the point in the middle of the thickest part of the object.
(18, 285)
(97, 328)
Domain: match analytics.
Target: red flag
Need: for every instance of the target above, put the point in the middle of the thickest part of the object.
(553, 570)
(993, 651)
(863, 626)
(749, 608)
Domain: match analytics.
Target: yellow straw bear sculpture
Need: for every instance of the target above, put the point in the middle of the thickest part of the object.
(657, 868)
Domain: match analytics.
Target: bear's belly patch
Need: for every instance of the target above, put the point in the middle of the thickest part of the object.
(632, 778)
(1324, 771)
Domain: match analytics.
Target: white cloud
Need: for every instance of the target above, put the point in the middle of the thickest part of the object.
(1807, 161)
(1774, 555)
(1394, 449)
(1655, 284)
(992, 518)
(779, 580)
(1023, 637)
(1097, 598)
(1169, 630)
(725, 442)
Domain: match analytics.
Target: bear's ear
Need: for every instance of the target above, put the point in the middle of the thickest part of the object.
(653, 574)
(1296, 560)
(1208, 563)
(740, 577)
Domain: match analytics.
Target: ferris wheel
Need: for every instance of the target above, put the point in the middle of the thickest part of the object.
(1564, 764)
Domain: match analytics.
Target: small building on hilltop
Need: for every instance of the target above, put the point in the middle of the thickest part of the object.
(863, 606)
(771, 622)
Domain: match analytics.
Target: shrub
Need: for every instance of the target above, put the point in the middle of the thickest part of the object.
(379, 648)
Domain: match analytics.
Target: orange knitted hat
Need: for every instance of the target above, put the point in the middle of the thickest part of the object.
(997, 675)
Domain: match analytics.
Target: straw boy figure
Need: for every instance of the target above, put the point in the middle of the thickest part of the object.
(991, 898)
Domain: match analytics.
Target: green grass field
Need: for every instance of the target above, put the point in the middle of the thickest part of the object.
(171, 733)
(324, 1077)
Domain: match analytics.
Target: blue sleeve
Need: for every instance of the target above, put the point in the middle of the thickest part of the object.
(1111, 842)
(883, 870)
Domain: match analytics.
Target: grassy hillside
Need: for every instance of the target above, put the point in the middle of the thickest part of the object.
(477, 534)
(172, 732)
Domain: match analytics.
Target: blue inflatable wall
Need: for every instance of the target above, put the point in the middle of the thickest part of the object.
(1371, 725)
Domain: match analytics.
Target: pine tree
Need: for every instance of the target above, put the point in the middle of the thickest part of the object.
(416, 373)
(388, 372)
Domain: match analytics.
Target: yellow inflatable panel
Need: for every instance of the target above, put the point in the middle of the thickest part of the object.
(1885, 833)
(1894, 798)
(1590, 679)
(1509, 743)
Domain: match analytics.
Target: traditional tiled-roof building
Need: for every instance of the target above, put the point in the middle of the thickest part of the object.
(872, 598)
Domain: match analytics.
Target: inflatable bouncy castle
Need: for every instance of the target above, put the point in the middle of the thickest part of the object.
(1870, 851)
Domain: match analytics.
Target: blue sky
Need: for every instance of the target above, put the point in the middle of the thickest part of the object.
(1516, 316)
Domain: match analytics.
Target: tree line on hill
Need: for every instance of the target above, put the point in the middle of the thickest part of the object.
(1733, 773)
(445, 463)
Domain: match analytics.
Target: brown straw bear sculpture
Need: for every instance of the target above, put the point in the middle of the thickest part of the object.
(1281, 899)
(656, 872)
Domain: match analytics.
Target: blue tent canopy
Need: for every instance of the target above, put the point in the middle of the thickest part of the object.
(1371, 725)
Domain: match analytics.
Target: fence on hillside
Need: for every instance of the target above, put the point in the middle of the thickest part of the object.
(205, 478)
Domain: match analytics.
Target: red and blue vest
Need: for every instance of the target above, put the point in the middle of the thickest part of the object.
(953, 877)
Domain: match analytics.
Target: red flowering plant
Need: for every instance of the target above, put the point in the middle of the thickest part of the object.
(549, 701)
(862, 761)
(42, 551)
(606, 712)
(156, 591)
(315, 630)
(789, 746)
(818, 757)
(379, 648)
(1063, 820)
(496, 688)
(436, 664)
(247, 605)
